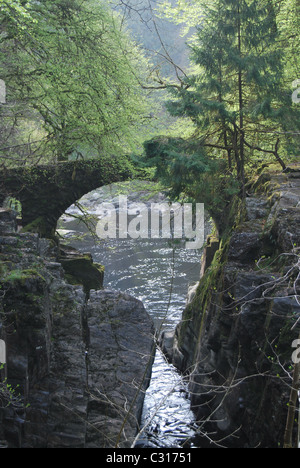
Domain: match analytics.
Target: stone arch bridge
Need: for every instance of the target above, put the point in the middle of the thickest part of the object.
(46, 191)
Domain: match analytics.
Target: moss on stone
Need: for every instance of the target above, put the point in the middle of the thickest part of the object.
(22, 275)
(207, 289)
(3, 268)
(82, 270)
(39, 226)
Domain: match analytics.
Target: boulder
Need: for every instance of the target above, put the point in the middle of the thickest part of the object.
(81, 269)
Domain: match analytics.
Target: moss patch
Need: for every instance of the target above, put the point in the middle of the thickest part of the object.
(22, 276)
(39, 226)
(82, 270)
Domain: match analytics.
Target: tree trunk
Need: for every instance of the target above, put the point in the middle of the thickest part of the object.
(241, 105)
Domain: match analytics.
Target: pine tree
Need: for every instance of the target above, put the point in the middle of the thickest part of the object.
(236, 98)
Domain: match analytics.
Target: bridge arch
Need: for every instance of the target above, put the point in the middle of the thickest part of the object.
(46, 191)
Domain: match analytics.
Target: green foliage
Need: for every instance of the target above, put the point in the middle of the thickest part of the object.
(185, 167)
(22, 275)
(10, 396)
(238, 98)
(74, 77)
(17, 10)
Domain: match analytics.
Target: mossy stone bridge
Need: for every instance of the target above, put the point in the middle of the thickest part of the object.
(46, 191)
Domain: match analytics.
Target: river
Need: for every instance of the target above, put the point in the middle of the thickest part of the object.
(158, 273)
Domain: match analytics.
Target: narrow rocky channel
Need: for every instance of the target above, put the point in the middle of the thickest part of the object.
(159, 273)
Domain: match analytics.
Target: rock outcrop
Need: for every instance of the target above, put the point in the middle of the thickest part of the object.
(234, 342)
(78, 359)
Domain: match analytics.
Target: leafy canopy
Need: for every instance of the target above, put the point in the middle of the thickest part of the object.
(73, 81)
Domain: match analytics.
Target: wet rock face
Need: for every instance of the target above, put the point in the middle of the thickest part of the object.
(79, 363)
(235, 337)
(8, 221)
(119, 362)
(81, 268)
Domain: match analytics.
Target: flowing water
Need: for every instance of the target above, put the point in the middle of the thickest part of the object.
(158, 273)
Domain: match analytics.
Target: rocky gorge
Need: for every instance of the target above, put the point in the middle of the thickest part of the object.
(234, 342)
(78, 356)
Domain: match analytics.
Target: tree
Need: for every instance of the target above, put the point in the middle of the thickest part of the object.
(238, 97)
(17, 10)
(73, 78)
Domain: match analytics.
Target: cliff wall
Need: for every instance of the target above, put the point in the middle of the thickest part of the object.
(78, 359)
(234, 342)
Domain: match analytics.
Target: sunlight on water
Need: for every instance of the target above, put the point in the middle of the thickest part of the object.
(159, 274)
